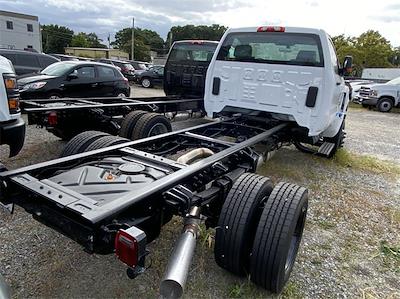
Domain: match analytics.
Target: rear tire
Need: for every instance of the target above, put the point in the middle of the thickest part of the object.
(150, 124)
(385, 105)
(238, 221)
(129, 122)
(278, 236)
(79, 143)
(105, 141)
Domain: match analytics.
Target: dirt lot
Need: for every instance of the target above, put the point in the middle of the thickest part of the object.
(351, 244)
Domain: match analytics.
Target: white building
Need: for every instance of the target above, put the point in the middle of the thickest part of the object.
(19, 31)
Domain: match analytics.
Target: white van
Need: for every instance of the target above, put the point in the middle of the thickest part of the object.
(12, 126)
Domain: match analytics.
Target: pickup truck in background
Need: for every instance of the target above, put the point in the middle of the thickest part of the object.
(12, 126)
(382, 96)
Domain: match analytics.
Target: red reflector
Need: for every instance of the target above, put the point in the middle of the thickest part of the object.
(271, 29)
(52, 118)
(126, 248)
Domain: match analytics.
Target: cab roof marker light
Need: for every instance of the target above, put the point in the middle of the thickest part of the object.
(271, 29)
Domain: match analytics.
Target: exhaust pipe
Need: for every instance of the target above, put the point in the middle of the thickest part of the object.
(174, 281)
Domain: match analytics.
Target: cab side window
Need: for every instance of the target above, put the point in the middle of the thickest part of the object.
(334, 58)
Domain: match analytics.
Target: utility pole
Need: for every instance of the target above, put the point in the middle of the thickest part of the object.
(133, 39)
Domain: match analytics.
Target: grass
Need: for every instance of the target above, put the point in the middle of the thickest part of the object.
(346, 159)
(249, 290)
(389, 251)
(326, 225)
(354, 106)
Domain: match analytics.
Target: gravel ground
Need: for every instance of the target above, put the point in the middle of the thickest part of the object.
(349, 245)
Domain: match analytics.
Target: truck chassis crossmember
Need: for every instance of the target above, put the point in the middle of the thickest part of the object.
(133, 189)
(63, 117)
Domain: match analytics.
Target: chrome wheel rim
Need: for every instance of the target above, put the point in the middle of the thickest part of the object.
(146, 83)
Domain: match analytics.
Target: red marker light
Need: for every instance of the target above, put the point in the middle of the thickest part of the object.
(52, 119)
(126, 248)
(271, 29)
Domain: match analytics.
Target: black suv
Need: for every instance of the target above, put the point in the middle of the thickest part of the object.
(75, 79)
(26, 62)
(126, 68)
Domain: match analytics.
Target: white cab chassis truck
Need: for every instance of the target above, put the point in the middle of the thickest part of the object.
(282, 73)
(271, 85)
(382, 96)
(12, 126)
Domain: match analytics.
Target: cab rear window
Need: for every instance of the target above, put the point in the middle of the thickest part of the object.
(273, 47)
(192, 52)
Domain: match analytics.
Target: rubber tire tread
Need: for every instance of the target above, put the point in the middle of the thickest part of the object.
(129, 122)
(105, 142)
(273, 236)
(378, 105)
(240, 214)
(146, 122)
(79, 143)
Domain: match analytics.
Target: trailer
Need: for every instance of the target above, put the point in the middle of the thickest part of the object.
(116, 199)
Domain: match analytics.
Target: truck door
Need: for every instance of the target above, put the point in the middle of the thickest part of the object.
(339, 95)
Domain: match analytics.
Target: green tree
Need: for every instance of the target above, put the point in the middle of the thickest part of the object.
(145, 40)
(374, 48)
(213, 32)
(80, 40)
(370, 49)
(87, 40)
(55, 38)
(395, 57)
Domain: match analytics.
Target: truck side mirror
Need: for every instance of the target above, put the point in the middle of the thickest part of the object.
(347, 66)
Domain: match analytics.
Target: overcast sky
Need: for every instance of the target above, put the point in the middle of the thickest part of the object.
(350, 17)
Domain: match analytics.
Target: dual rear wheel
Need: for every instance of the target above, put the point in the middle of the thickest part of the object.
(141, 124)
(136, 125)
(260, 229)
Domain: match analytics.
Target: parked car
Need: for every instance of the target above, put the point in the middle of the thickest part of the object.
(139, 66)
(152, 77)
(26, 62)
(75, 79)
(63, 57)
(12, 126)
(126, 68)
(382, 96)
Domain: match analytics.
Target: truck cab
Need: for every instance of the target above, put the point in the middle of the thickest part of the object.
(284, 73)
(12, 126)
(186, 67)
